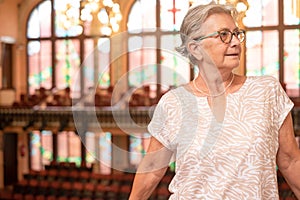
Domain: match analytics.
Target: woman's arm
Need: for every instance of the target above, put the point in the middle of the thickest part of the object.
(150, 171)
(288, 156)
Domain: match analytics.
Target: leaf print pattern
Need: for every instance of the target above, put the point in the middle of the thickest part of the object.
(232, 160)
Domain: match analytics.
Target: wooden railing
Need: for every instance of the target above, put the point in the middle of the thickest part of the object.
(73, 118)
(87, 118)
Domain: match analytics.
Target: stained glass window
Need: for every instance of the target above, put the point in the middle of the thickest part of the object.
(105, 152)
(261, 13)
(90, 148)
(291, 12)
(142, 60)
(262, 53)
(142, 16)
(55, 60)
(273, 42)
(68, 65)
(96, 63)
(39, 23)
(172, 13)
(39, 56)
(99, 151)
(138, 144)
(292, 62)
(35, 154)
(148, 62)
(175, 70)
(141, 19)
(103, 49)
(47, 147)
(41, 153)
(69, 147)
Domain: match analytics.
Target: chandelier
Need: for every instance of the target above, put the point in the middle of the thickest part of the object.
(101, 16)
(104, 13)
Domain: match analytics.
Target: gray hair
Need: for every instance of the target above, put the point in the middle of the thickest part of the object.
(193, 20)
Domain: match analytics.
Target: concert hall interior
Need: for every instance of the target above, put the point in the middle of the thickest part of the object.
(80, 79)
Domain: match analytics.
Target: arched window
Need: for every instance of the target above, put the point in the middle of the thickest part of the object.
(55, 48)
(63, 51)
(151, 44)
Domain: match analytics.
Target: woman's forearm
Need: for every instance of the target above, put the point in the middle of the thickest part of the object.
(150, 171)
(292, 176)
(145, 183)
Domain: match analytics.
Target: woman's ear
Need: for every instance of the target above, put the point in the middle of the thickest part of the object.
(194, 49)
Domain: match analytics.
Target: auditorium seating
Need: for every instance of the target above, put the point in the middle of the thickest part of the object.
(46, 185)
(59, 183)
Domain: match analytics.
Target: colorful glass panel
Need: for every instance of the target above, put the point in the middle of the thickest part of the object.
(138, 144)
(291, 12)
(68, 147)
(39, 23)
(68, 66)
(142, 60)
(262, 53)
(152, 63)
(35, 154)
(292, 62)
(74, 144)
(40, 67)
(96, 63)
(62, 147)
(90, 148)
(88, 64)
(47, 147)
(261, 13)
(172, 13)
(142, 16)
(103, 47)
(175, 70)
(105, 152)
(41, 149)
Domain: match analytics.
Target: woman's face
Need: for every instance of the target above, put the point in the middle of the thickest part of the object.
(225, 56)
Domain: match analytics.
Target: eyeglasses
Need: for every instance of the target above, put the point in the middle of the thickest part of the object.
(226, 35)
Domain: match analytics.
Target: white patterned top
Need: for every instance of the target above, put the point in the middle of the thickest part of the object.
(235, 159)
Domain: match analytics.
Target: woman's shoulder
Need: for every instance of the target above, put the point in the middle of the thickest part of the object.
(176, 92)
(170, 97)
(265, 80)
(263, 85)
(262, 78)
(177, 96)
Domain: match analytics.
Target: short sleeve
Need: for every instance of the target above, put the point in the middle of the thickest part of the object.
(282, 104)
(163, 125)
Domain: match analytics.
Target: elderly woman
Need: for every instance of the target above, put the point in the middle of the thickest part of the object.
(226, 132)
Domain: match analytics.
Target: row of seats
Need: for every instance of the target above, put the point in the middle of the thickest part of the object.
(34, 189)
(90, 185)
(68, 166)
(73, 184)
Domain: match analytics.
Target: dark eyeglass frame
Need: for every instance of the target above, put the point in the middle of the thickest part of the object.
(219, 33)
